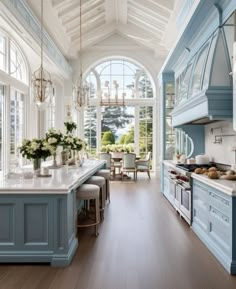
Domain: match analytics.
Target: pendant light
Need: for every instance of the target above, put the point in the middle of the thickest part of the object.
(81, 89)
(41, 80)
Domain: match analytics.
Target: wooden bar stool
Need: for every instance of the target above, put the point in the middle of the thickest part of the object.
(101, 183)
(89, 192)
(106, 175)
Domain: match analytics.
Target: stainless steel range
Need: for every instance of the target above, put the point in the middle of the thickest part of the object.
(181, 185)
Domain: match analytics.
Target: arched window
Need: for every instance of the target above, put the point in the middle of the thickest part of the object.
(130, 122)
(12, 60)
(130, 79)
(13, 95)
(18, 68)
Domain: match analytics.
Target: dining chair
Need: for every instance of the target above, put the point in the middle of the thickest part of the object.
(109, 162)
(129, 165)
(117, 161)
(143, 165)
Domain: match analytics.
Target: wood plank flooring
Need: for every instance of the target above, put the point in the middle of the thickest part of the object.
(143, 244)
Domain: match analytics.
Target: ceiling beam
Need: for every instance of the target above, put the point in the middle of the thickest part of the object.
(94, 35)
(151, 9)
(157, 34)
(148, 21)
(87, 11)
(75, 7)
(164, 4)
(61, 3)
(142, 13)
(90, 21)
(110, 8)
(122, 10)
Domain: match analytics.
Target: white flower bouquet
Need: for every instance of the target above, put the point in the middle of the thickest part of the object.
(36, 149)
(54, 138)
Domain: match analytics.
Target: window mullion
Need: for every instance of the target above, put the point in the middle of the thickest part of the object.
(136, 130)
(6, 130)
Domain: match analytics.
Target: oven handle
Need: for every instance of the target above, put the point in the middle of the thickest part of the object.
(183, 188)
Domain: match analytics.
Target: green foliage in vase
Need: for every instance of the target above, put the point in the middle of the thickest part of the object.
(70, 126)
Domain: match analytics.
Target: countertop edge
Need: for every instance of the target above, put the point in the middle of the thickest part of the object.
(52, 191)
(229, 190)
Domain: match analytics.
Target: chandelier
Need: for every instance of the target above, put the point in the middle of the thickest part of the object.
(81, 88)
(41, 79)
(107, 99)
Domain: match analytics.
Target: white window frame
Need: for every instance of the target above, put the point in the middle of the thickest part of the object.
(10, 82)
(137, 103)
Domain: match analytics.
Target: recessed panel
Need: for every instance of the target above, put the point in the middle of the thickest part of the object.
(7, 224)
(35, 223)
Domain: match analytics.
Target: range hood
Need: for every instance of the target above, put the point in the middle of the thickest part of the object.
(204, 89)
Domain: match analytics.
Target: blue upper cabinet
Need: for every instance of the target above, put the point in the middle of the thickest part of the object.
(204, 87)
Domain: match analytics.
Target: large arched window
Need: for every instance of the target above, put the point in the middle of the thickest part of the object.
(14, 88)
(130, 122)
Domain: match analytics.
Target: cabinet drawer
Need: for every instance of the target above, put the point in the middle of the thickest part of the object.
(200, 191)
(220, 201)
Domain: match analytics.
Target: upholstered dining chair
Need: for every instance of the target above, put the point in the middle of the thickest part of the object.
(109, 162)
(128, 165)
(143, 165)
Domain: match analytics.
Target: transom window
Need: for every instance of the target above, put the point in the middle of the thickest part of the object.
(16, 66)
(119, 77)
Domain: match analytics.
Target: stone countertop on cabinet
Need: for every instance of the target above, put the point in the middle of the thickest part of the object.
(169, 163)
(225, 186)
(62, 181)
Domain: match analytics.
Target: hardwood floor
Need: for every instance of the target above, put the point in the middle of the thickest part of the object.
(143, 244)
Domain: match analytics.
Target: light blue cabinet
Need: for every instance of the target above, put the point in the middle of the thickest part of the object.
(38, 228)
(214, 223)
(168, 185)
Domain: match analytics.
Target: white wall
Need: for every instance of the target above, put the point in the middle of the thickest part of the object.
(220, 153)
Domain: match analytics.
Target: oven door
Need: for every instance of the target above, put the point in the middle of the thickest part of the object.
(185, 202)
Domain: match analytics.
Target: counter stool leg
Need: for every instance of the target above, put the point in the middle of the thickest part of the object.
(97, 211)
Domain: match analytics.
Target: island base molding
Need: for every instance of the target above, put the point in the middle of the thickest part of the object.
(62, 260)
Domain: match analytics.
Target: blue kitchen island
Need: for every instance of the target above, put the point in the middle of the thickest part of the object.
(37, 216)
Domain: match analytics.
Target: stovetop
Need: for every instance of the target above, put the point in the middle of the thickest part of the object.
(192, 167)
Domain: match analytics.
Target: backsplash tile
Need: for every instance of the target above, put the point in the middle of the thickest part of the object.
(220, 153)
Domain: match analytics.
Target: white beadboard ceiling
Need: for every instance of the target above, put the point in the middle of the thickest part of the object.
(143, 21)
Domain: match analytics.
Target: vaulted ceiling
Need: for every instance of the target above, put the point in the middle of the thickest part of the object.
(143, 21)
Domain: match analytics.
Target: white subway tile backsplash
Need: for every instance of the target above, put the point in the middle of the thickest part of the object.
(220, 153)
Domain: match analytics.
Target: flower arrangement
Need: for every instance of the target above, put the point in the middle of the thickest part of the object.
(54, 138)
(70, 125)
(78, 144)
(118, 148)
(73, 143)
(36, 149)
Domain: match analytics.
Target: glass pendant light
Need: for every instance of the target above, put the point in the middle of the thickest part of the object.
(81, 88)
(41, 80)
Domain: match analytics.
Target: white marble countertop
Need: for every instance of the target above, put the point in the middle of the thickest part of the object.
(62, 181)
(225, 186)
(172, 164)
(169, 163)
